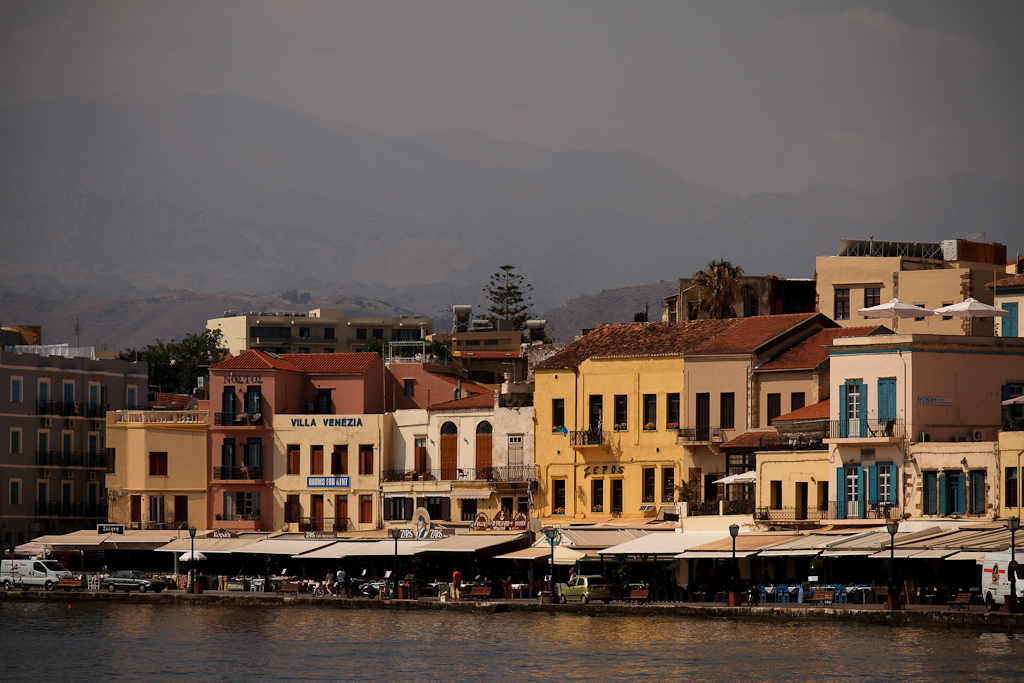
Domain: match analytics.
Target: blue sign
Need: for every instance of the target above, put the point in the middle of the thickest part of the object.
(327, 482)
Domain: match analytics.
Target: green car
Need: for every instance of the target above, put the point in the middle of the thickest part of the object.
(587, 588)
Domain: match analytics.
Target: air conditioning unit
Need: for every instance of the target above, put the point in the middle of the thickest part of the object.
(96, 424)
(925, 436)
(92, 476)
(45, 473)
(47, 422)
(68, 424)
(977, 435)
(307, 407)
(68, 474)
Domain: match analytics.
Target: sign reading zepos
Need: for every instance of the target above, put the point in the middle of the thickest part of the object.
(110, 529)
(327, 482)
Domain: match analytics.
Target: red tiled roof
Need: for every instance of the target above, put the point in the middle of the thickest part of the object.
(811, 352)
(490, 355)
(326, 363)
(1015, 281)
(749, 334)
(819, 411)
(467, 385)
(631, 340)
(469, 403)
(179, 401)
(751, 439)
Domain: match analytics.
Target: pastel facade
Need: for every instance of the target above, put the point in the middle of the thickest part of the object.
(1008, 295)
(157, 473)
(1008, 485)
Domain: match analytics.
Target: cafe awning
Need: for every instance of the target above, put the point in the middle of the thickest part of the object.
(385, 547)
(471, 542)
(714, 555)
(470, 494)
(275, 546)
(563, 555)
(207, 545)
(665, 543)
(969, 556)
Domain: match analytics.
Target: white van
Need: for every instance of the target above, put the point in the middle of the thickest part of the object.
(995, 581)
(27, 573)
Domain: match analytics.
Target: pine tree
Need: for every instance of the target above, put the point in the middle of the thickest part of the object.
(509, 296)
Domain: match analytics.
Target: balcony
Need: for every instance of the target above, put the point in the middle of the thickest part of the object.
(693, 435)
(320, 524)
(828, 511)
(238, 419)
(238, 473)
(515, 473)
(592, 438)
(865, 431)
(774, 442)
(73, 459)
(55, 509)
(144, 417)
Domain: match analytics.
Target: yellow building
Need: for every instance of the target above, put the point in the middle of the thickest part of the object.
(1008, 294)
(1011, 459)
(156, 464)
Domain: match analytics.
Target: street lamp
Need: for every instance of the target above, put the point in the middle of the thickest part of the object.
(552, 534)
(192, 558)
(395, 533)
(1013, 523)
(734, 601)
(892, 527)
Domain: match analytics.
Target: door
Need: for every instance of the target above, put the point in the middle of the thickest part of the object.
(449, 451)
(1008, 325)
(136, 509)
(703, 417)
(694, 480)
(317, 512)
(341, 513)
(852, 402)
(180, 509)
(617, 496)
(886, 401)
(365, 509)
(853, 492)
(801, 500)
(596, 413)
(483, 451)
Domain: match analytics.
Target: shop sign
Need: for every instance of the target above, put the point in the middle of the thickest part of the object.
(314, 535)
(110, 529)
(327, 422)
(503, 521)
(327, 482)
(598, 470)
(482, 522)
(243, 379)
(425, 534)
(934, 400)
(223, 533)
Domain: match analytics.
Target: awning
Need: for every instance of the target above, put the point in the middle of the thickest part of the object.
(795, 552)
(283, 547)
(847, 553)
(207, 545)
(563, 555)
(664, 543)
(470, 543)
(470, 494)
(933, 554)
(713, 555)
(970, 556)
(899, 553)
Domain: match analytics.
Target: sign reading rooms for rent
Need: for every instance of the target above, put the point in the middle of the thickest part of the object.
(327, 482)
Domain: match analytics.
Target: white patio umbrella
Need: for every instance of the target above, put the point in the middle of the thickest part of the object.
(188, 557)
(745, 478)
(896, 309)
(972, 308)
(1015, 401)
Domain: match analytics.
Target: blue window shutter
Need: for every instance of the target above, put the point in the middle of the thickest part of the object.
(873, 484)
(1009, 323)
(894, 488)
(863, 410)
(1006, 392)
(861, 476)
(961, 495)
(886, 400)
(942, 494)
(929, 492)
(840, 493)
(842, 409)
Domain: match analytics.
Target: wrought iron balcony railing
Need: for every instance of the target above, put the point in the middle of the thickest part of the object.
(699, 435)
(238, 473)
(72, 459)
(515, 473)
(237, 419)
(866, 429)
(56, 509)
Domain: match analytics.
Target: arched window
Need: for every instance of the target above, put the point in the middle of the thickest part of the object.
(483, 451)
(483, 428)
(449, 428)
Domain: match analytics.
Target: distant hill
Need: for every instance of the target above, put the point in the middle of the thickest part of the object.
(616, 305)
(218, 193)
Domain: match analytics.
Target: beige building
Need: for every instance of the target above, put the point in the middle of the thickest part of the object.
(867, 273)
(1011, 460)
(156, 464)
(765, 295)
(1008, 294)
(322, 330)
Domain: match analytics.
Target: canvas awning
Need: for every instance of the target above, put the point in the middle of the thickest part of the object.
(714, 555)
(932, 554)
(377, 548)
(275, 546)
(470, 542)
(471, 494)
(793, 552)
(978, 557)
(899, 553)
(563, 555)
(665, 543)
(207, 545)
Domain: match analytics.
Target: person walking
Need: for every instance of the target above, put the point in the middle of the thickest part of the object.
(456, 585)
(329, 580)
(342, 589)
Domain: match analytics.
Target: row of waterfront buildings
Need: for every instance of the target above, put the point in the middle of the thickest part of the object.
(840, 420)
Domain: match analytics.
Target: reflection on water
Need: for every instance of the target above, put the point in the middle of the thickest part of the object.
(46, 642)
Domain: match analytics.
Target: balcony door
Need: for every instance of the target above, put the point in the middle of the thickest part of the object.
(853, 404)
(483, 449)
(703, 417)
(316, 505)
(449, 451)
(596, 413)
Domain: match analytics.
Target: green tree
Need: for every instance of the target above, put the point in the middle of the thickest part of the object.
(718, 286)
(175, 367)
(509, 296)
(377, 346)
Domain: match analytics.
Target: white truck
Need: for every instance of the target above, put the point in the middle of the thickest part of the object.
(25, 574)
(995, 578)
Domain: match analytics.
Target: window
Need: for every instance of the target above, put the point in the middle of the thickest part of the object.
(885, 483)
(378, 333)
(156, 509)
(842, 304)
(774, 407)
(558, 496)
(976, 481)
(44, 442)
(728, 410)
(304, 333)
(69, 392)
(44, 390)
(872, 296)
(94, 442)
(672, 412)
(328, 333)
(1008, 324)
(922, 304)
(365, 459)
(616, 496)
(930, 480)
(852, 397)
(668, 485)
(621, 422)
(293, 460)
(292, 510)
(366, 509)
(42, 491)
(253, 400)
(596, 412)
(180, 509)
(398, 509)
(852, 497)
(650, 411)
(796, 401)
(242, 504)
(945, 317)
(111, 469)
(15, 498)
(360, 333)
(316, 460)
(227, 456)
(158, 464)
(69, 441)
(597, 495)
(410, 387)
(649, 484)
(323, 402)
(254, 453)
(16, 393)
(15, 440)
(775, 495)
(557, 413)
(491, 342)
(469, 507)
(955, 494)
(1011, 487)
(131, 398)
(515, 450)
(339, 460)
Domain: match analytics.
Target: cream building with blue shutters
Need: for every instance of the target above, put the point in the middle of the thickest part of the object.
(913, 431)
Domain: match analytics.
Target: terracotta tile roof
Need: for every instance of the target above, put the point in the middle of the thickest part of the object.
(490, 355)
(1015, 281)
(179, 401)
(632, 340)
(751, 439)
(811, 352)
(320, 363)
(467, 386)
(749, 334)
(474, 402)
(819, 411)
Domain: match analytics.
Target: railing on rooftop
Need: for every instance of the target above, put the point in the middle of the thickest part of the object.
(866, 429)
(237, 419)
(71, 408)
(772, 442)
(162, 417)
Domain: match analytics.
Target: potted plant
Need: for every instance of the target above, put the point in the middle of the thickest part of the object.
(558, 511)
(672, 425)
(597, 508)
(620, 427)
(650, 427)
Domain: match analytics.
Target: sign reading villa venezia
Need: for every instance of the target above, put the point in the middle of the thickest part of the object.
(328, 422)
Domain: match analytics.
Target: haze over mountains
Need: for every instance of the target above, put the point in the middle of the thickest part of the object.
(219, 193)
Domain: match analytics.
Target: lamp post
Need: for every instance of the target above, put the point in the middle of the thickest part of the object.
(892, 527)
(192, 558)
(552, 534)
(1013, 523)
(395, 533)
(734, 598)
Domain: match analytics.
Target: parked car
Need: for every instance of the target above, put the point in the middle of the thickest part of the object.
(587, 588)
(131, 581)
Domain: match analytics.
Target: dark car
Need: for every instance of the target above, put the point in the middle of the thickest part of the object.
(132, 581)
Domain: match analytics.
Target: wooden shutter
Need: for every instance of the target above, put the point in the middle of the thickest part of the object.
(449, 456)
(483, 454)
(446, 509)
(341, 513)
(316, 460)
(136, 505)
(366, 459)
(421, 458)
(339, 460)
(293, 460)
(181, 508)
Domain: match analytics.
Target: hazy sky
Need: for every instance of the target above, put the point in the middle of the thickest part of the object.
(743, 96)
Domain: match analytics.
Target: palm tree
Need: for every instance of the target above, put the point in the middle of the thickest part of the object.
(718, 286)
